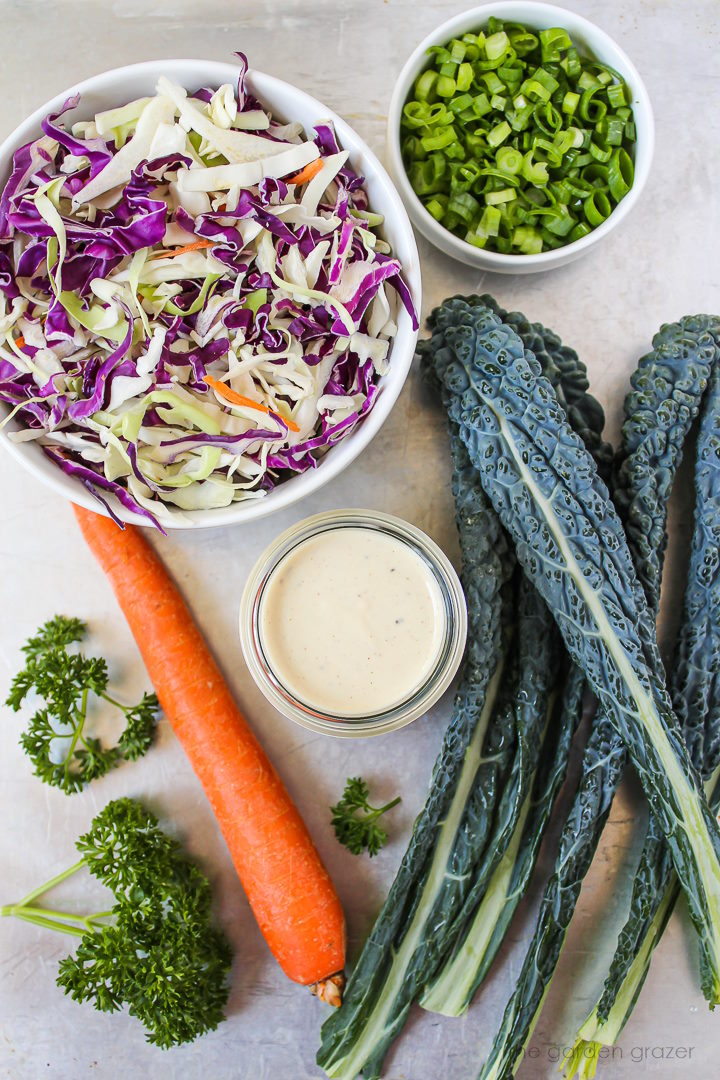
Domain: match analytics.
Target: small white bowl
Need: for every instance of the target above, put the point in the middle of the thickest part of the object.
(583, 33)
(112, 88)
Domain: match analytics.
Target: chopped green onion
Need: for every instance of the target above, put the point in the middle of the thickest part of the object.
(512, 75)
(490, 221)
(620, 174)
(514, 141)
(440, 138)
(520, 120)
(600, 152)
(509, 160)
(571, 64)
(497, 45)
(591, 107)
(611, 130)
(445, 86)
(415, 114)
(499, 134)
(455, 151)
(425, 85)
(547, 151)
(596, 174)
(616, 95)
(481, 105)
(587, 81)
(559, 221)
(492, 198)
(553, 43)
(464, 77)
(547, 118)
(535, 172)
(581, 229)
(493, 83)
(412, 149)
(536, 90)
(570, 102)
(437, 206)
(457, 52)
(440, 52)
(477, 239)
(597, 208)
(465, 206)
(522, 40)
(527, 239)
(460, 103)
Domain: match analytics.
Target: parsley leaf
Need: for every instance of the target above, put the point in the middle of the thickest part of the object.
(139, 731)
(156, 949)
(56, 633)
(356, 822)
(57, 742)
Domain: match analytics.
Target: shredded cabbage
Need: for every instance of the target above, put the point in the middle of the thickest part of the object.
(177, 243)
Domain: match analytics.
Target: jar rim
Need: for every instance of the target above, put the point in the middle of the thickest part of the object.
(436, 680)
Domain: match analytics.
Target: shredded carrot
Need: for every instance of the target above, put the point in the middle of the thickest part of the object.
(307, 173)
(239, 399)
(181, 250)
(20, 342)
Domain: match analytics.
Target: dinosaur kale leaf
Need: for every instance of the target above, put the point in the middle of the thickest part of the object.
(568, 537)
(669, 388)
(485, 771)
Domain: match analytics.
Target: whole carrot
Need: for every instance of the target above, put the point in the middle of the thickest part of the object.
(288, 887)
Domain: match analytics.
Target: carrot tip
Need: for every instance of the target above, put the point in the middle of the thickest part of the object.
(330, 990)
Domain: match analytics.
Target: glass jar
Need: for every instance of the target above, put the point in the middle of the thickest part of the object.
(423, 696)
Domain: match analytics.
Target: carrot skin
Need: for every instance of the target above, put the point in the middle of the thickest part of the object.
(287, 886)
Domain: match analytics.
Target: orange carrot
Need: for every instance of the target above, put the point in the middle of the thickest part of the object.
(288, 887)
(20, 342)
(172, 252)
(307, 173)
(231, 395)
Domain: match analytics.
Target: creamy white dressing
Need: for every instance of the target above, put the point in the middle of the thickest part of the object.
(352, 621)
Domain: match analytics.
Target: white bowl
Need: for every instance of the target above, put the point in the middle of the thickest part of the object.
(137, 80)
(583, 33)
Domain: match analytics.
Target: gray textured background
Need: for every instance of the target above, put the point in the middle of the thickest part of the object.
(661, 264)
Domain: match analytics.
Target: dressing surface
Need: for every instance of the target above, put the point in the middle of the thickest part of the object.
(352, 621)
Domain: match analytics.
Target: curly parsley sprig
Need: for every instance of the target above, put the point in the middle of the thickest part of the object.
(63, 752)
(356, 822)
(155, 948)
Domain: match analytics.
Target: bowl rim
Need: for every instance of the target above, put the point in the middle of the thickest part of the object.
(296, 488)
(448, 241)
